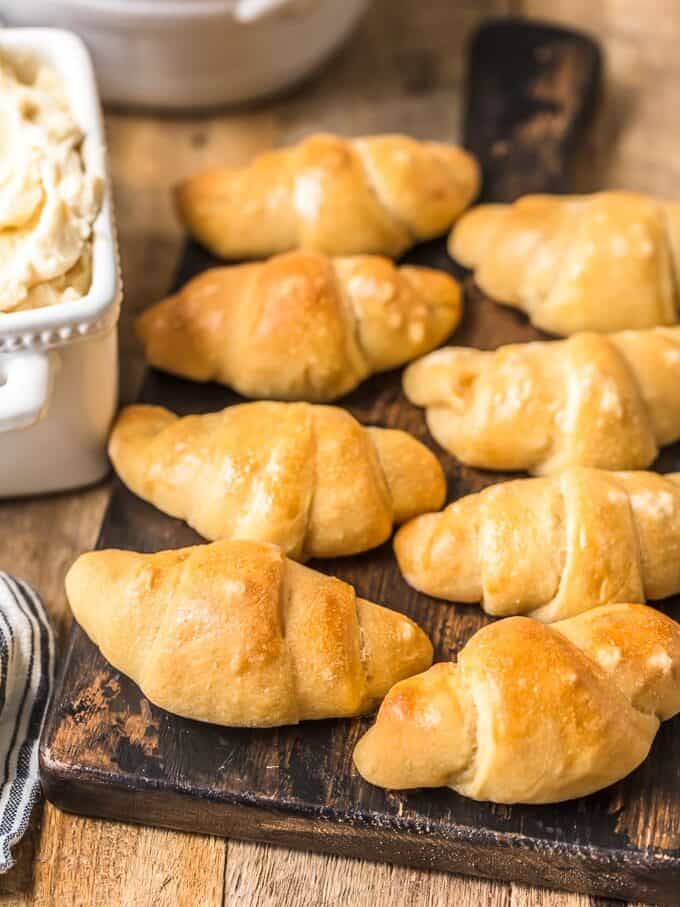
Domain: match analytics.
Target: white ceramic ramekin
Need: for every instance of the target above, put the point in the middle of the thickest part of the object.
(58, 364)
(196, 53)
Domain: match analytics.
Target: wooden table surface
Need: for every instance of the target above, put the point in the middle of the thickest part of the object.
(400, 72)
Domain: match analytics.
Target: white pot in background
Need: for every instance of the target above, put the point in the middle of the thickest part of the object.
(196, 53)
(58, 364)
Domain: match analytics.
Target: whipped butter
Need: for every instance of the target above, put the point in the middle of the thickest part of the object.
(48, 199)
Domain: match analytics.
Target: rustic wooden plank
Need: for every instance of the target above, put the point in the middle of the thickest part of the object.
(107, 752)
(531, 91)
(310, 764)
(262, 876)
(522, 896)
(641, 43)
(99, 864)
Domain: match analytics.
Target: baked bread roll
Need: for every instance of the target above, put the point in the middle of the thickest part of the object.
(602, 262)
(300, 326)
(552, 547)
(234, 633)
(308, 478)
(379, 194)
(532, 713)
(609, 401)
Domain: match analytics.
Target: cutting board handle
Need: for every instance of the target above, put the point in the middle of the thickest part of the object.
(531, 88)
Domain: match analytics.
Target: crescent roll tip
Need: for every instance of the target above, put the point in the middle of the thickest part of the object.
(532, 713)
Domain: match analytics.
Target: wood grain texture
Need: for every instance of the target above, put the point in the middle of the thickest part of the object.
(402, 70)
(529, 95)
(254, 878)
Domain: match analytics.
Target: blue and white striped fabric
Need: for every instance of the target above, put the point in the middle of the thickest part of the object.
(26, 674)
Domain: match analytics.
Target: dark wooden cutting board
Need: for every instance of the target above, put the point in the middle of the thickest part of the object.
(107, 752)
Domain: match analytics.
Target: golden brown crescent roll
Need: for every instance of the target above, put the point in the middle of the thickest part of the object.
(602, 262)
(552, 547)
(378, 194)
(235, 634)
(532, 713)
(609, 401)
(300, 326)
(308, 478)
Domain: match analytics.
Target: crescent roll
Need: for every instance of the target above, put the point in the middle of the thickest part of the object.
(235, 634)
(602, 262)
(308, 478)
(300, 326)
(532, 713)
(550, 547)
(608, 401)
(379, 194)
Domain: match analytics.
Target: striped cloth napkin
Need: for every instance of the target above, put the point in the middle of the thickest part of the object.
(26, 674)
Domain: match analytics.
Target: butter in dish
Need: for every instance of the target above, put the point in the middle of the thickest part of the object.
(58, 336)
